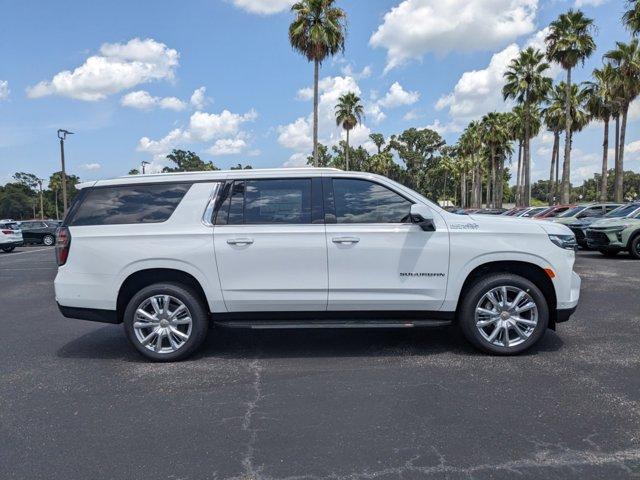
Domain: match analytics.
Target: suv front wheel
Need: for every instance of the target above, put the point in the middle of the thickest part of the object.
(504, 314)
(166, 321)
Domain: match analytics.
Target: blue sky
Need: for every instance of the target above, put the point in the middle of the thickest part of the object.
(135, 79)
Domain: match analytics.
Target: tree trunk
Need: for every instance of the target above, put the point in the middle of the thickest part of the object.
(346, 151)
(491, 183)
(56, 200)
(554, 156)
(619, 186)
(316, 74)
(566, 166)
(556, 187)
(463, 189)
(527, 161)
(605, 167)
(518, 183)
(500, 184)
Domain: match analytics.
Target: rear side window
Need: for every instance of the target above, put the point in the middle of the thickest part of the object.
(361, 201)
(129, 204)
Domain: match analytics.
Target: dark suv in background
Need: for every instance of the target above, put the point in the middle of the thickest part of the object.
(39, 231)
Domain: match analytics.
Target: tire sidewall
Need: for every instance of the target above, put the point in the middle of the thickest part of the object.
(44, 240)
(8, 249)
(633, 248)
(197, 309)
(482, 286)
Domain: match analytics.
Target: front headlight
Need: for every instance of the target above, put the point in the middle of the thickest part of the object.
(564, 241)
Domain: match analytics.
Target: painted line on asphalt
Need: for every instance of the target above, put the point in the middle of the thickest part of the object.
(10, 255)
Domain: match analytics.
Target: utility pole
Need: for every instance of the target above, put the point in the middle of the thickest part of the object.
(62, 135)
(40, 180)
(144, 164)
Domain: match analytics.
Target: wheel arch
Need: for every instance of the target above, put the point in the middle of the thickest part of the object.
(527, 270)
(632, 237)
(143, 278)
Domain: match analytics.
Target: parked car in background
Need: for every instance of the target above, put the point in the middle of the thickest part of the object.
(530, 212)
(39, 231)
(580, 225)
(552, 212)
(611, 236)
(303, 248)
(10, 235)
(491, 211)
(596, 210)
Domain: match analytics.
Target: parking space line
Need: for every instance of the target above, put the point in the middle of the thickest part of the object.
(10, 255)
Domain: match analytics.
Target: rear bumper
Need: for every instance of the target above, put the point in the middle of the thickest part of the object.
(17, 243)
(564, 314)
(90, 314)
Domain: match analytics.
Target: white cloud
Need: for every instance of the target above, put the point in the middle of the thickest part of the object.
(142, 100)
(412, 115)
(375, 113)
(348, 71)
(634, 110)
(203, 127)
(479, 91)
(443, 129)
(228, 146)
(416, 27)
(590, 3)
(296, 160)
(264, 7)
(118, 67)
(398, 96)
(199, 99)
(4, 89)
(297, 135)
(91, 166)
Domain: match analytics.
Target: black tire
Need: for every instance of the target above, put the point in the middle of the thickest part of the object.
(634, 247)
(199, 316)
(8, 249)
(467, 312)
(609, 253)
(48, 240)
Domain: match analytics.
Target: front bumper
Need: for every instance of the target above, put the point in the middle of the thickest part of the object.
(604, 239)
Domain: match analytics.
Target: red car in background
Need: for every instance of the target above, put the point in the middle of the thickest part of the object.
(552, 212)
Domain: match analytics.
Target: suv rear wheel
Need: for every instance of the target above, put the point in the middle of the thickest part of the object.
(504, 314)
(8, 249)
(166, 321)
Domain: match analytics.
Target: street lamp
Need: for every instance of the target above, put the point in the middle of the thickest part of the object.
(62, 135)
(144, 164)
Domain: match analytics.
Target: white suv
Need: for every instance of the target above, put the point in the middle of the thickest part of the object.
(304, 248)
(10, 235)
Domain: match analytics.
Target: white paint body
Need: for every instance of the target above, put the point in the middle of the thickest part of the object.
(301, 267)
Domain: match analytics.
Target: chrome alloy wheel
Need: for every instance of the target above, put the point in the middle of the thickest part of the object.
(162, 324)
(506, 316)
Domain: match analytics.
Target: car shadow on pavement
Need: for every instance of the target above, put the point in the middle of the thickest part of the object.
(109, 342)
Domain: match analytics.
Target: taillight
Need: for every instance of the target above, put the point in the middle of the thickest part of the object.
(7, 232)
(63, 244)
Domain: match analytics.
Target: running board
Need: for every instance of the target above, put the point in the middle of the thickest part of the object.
(318, 324)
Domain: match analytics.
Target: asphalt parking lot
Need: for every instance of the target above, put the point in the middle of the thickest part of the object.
(77, 402)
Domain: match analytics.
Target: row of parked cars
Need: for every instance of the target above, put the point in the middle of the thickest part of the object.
(14, 234)
(607, 227)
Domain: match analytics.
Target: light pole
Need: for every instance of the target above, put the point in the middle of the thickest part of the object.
(62, 135)
(144, 164)
(40, 180)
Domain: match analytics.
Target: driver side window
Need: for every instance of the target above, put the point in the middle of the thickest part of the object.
(362, 201)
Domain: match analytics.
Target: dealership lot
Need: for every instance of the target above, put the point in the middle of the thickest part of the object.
(76, 401)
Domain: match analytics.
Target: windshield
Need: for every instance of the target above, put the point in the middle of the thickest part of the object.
(622, 211)
(572, 212)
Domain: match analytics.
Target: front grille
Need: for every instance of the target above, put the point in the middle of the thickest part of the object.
(596, 238)
(579, 233)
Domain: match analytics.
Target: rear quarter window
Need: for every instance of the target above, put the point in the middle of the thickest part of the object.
(121, 205)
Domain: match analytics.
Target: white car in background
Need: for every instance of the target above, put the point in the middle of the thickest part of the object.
(10, 235)
(169, 254)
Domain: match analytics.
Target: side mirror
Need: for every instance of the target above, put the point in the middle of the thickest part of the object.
(421, 216)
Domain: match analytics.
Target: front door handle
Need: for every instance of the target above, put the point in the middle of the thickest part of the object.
(240, 241)
(345, 240)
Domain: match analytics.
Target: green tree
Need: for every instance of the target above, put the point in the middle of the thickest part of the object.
(625, 59)
(317, 31)
(554, 121)
(378, 140)
(569, 42)
(324, 157)
(187, 161)
(495, 135)
(419, 150)
(349, 113)
(528, 85)
(631, 17)
(16, 201)
(55, 184)
(134, 171)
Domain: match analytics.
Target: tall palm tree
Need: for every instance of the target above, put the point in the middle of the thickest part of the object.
(569, 42)
(470, 145)
(527, 84)
(601, 107)
(625, 59)
(349, 113)
(631, 17)
(318, 31)
(554, 121)
(496, 135)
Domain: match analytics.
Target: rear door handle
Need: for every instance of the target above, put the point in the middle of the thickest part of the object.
(240, 241)
(345, 239)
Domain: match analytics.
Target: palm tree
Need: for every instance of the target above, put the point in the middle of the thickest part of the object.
(527, 84)
(349, 113)
(318, 31)
(625, 59)
(554, 121)
(631, 17)
(470, 145)
(601, 106)
(378, 140)
(496, 135)
(569, 42)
